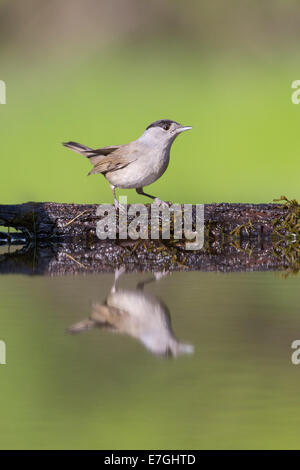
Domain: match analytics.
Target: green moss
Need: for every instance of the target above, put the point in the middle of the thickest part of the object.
(288, 225)
(237, 232)
(286, 235)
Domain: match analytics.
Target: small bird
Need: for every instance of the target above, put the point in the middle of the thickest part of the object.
(138, 314)
(138, 163)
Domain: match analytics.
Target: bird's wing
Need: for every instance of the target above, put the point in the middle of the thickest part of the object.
(102, 151)
(96, 156)
(117, 159)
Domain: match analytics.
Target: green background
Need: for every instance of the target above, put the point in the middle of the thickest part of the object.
(104, 390)
(99, 73)
(244, 146)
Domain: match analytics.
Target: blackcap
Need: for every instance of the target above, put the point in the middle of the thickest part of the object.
(138, 163)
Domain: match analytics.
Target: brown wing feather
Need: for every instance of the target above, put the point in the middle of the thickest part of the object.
(102, 151)
(115, 161)
(95, 156)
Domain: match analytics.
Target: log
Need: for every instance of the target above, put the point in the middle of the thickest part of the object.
(58, 239)
(54, 221)
(57, 259)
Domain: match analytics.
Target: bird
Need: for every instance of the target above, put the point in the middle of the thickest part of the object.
(136, 164)
(138, 314)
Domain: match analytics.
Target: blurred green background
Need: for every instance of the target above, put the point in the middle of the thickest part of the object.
(100, 72)
(104, 390)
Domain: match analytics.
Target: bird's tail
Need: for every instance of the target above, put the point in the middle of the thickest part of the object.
(83, 325)
(94, 155)
(79, 148)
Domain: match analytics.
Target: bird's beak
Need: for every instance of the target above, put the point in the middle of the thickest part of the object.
(182, 129)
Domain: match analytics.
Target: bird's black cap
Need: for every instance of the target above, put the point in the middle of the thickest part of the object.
(162, 123)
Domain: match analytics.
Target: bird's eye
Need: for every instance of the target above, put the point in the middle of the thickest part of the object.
(166, 127)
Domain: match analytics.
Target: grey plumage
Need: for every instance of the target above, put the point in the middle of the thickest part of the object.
(138, 314)
(138, 163)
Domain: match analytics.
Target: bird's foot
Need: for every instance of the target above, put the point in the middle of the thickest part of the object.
(159, 202)
(160, 275)
(122, 208)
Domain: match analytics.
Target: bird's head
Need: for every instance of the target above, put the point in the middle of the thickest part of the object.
(164, 131)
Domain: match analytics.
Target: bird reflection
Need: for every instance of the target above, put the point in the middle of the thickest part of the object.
(138, 314)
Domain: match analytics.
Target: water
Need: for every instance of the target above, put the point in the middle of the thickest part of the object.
(117, 385)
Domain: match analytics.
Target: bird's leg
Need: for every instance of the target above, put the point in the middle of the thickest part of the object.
(118, 273)
(156, 199)
(157, 277)
(116, 202)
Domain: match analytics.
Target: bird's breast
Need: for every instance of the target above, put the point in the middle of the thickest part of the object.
(147, 168)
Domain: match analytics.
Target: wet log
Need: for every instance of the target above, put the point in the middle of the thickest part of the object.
(54, 221)
(58, 259)
(58, 239)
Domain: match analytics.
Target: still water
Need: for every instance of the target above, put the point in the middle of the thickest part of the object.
(189, 360)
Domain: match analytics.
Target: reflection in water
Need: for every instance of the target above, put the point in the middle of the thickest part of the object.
(138, 314)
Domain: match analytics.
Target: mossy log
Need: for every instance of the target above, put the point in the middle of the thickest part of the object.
(58, 239)
(57, 259)
(54, 221)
